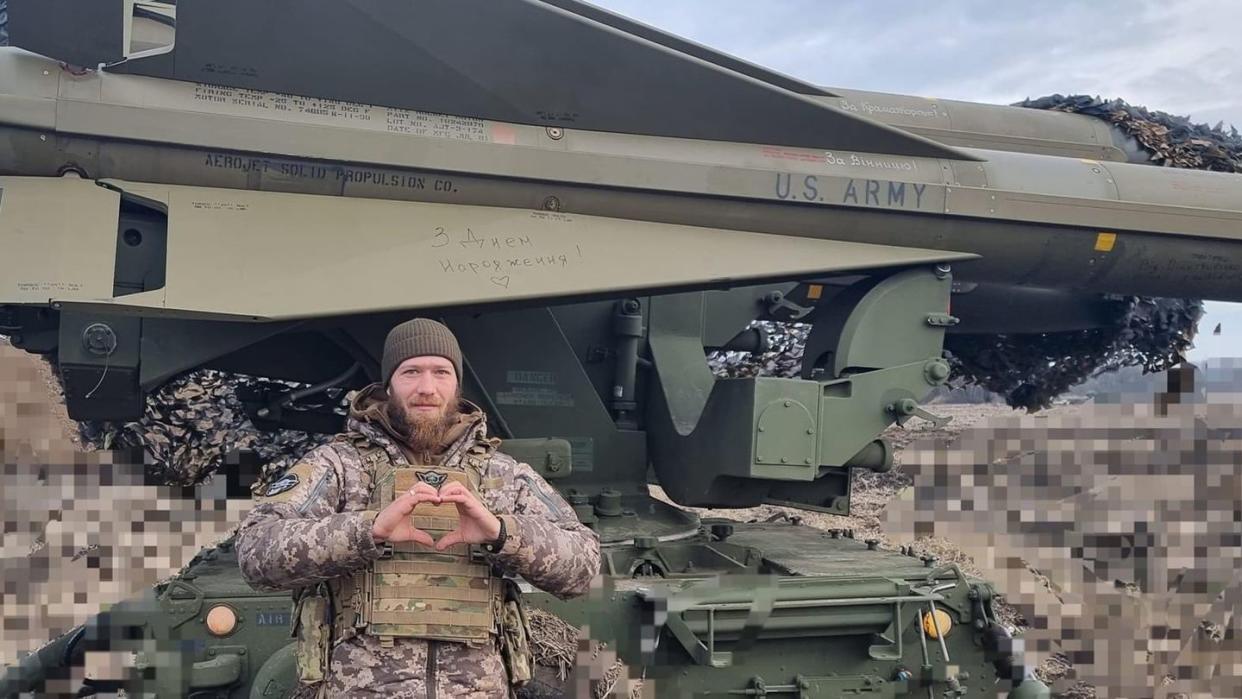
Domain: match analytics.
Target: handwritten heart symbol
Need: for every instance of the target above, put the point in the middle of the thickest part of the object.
(501, 281)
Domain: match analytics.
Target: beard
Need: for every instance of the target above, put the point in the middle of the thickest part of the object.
(424, 432)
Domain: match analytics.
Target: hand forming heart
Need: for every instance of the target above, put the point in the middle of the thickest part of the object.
(476, 525)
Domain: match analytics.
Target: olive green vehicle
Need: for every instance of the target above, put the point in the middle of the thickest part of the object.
(591, 205)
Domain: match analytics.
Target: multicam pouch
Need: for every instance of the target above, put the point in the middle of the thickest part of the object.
(515, 637)
(313, 631)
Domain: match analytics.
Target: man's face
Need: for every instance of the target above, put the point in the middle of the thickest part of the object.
(425, 386)
(423, 399)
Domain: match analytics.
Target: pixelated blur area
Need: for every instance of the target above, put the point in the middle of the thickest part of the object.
(1114, 529)
(84, 530)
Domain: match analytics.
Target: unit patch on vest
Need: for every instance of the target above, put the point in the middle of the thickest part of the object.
(435, 479)
(286, 482)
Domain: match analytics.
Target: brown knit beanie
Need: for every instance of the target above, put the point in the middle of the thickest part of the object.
(418, 338)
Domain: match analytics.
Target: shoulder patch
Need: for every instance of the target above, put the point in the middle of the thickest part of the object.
(286, 482)
(290, 483)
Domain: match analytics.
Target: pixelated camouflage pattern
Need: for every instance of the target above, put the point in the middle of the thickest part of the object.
(321, 530)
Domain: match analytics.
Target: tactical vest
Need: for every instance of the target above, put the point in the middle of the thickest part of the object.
(417, 592)
(413, 591)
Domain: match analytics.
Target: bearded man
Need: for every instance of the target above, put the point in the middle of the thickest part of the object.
(396, 536)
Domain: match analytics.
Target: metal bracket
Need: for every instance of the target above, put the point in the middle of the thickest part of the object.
(226, 666)
(883, 648)
(907, 408)
(702, 648)
(702, 653)
(181, 610)
(777, 302)
(287, 400)
(942, 320)
(805, 687)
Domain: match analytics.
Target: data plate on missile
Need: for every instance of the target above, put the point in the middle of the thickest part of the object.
(803, 550)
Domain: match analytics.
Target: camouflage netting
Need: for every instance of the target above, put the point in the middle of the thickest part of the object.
(785, 358)
(1028, 370)
(195, 424)
(1170, 140)
(1031, 370)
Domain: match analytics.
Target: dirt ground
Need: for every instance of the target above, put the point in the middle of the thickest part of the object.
(1133, 538)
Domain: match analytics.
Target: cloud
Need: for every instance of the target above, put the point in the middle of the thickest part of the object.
(1181, 57)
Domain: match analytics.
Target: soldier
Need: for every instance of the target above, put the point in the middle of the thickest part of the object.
(392, 535)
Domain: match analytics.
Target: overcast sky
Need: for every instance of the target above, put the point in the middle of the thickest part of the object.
(1179, 56)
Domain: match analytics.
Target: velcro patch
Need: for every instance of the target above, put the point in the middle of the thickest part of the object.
(435, 479)
(286, 482)
(288, 485)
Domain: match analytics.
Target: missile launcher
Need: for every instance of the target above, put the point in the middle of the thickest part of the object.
(590, 204)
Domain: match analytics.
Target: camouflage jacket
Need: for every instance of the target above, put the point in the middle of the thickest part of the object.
(318, 527)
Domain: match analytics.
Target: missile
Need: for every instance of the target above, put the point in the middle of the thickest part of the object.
(1038, 220)
(203, 157)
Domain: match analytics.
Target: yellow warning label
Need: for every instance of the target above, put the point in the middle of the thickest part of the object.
(1104, 242)
(814, 291)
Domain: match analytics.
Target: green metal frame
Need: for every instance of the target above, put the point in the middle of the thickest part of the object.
(740, 442)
